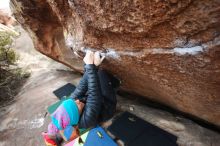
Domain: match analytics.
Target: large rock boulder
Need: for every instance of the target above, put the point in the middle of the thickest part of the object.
(6, 19)
(165, 50)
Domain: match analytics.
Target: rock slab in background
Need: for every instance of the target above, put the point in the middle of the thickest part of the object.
(168, 51)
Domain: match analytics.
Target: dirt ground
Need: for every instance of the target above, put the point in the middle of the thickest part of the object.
(23, 121)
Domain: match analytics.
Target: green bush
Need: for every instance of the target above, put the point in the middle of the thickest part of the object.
(11, 77)
(7, 54)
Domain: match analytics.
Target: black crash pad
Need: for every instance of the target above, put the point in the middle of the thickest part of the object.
(134, 131)
(65, 90)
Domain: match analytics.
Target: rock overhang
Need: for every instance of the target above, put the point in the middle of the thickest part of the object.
(167, 51)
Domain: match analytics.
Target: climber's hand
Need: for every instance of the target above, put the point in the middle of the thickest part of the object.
(98, 59)
(89, 58)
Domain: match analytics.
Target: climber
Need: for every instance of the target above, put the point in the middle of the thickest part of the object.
(93, 101)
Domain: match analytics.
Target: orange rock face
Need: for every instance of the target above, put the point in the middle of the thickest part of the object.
(6, 19)
(167, 51)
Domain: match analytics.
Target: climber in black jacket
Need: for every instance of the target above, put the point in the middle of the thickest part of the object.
(97, 91)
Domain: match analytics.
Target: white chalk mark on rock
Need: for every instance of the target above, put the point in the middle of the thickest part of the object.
(188, 50)
(20, 124)
(36, 123)
(112, 54)
(192, 51)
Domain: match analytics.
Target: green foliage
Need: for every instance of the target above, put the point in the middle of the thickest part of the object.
(7, 54)
(11, 77)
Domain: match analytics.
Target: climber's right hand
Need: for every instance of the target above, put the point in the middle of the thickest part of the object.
(98, 58)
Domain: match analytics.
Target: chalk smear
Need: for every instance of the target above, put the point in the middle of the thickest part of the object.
(187, 50)
(20, 124)
(36, 123)
(111, 53)
(192, 51)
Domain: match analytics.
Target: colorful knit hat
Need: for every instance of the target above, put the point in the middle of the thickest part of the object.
(67, 114)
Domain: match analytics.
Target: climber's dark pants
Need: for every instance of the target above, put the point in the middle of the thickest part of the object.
(108, 91)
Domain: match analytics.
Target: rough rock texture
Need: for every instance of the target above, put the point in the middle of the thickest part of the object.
(6, 19)
(167, 51)
(21, 128)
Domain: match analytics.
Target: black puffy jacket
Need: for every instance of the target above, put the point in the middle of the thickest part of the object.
(89, 85)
